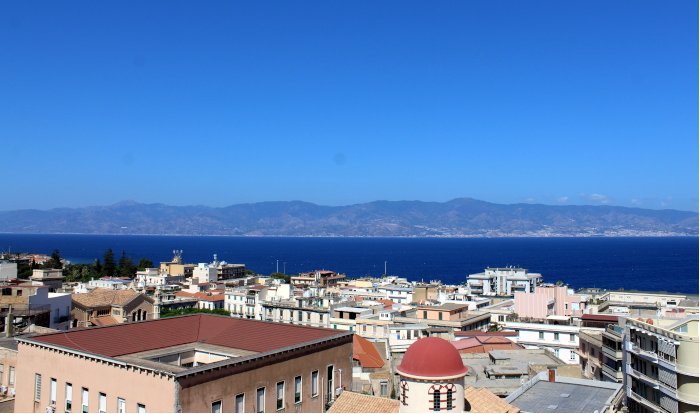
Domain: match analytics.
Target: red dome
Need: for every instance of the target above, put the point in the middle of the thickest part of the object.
(432, 358)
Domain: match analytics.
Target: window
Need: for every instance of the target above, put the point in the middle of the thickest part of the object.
(69, 397)
(297, 390)
(436, 400)
(239, 405)
(216, 407)
(449, 400)
(121, 405)
(7, 291)
(572, 338)
(86, 400)
(314, 383)
(102, 403)
(541, 335)
(383, 388)
(425, 314)
(19, 292)
(572, 356)
(556, 336)
(440, 315)
(140, 408)
(37, 387)
(2, 372)
(11, 380)
(52, 392)
(260, 400)
(280, 395)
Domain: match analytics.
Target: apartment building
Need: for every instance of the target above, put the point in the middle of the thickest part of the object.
(613, 364)
(308, 311)
(590, 353)
(195, 363)
(548, 300)
(562, 340)
(661, 364)
(53, 278)
(502, 281)
(449, 316)
(246, 301)
(34, 304)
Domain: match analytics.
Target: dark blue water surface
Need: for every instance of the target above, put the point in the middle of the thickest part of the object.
(649, 263)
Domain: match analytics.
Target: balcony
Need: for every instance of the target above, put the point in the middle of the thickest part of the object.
(612, 354)
(646, 402)
(649, 355)
(649, 380)
(611, 373)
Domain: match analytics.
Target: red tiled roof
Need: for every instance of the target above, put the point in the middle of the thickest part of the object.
(103, 320)
(388, 304)
(205, 296)
(364, 352)
(129, 338)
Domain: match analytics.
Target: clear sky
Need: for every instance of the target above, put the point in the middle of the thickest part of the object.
(221, 102)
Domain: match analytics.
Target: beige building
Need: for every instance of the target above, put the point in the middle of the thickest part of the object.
(195, 363)
(108, 307)
(661, 372)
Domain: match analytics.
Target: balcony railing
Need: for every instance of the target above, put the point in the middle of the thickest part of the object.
(646, 402)
(654, 382)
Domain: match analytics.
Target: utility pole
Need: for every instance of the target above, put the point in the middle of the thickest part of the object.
(278, 265)
(385, 268)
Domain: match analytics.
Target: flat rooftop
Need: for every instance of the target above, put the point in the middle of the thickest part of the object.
(567, 395)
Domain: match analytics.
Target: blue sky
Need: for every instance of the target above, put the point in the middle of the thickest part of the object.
(217, 103)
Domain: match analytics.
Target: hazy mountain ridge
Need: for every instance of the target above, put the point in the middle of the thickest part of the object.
(455, 218)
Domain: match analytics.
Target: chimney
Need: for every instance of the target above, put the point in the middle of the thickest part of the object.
(8, 323)
(552, 377)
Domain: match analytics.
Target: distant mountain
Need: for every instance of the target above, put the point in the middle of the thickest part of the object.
(457, 218)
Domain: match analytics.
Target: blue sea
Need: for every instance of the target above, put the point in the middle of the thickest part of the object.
(649, 263)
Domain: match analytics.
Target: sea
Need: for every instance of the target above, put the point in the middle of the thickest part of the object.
(667, 264)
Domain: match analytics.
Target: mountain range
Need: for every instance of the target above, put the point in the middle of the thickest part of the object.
(463, 217)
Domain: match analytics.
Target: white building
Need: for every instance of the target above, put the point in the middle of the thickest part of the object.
(562, 340)
(205, 273)
(503, 281)
(8, 270)
(109, 283)
(396, 293)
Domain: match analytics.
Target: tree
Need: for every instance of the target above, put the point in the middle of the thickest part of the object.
(97, 266)
(55, 261)
(108, 268)
(126, 266)
(144, 264)
(279, 275)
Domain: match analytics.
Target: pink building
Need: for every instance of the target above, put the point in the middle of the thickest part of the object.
(547, 301)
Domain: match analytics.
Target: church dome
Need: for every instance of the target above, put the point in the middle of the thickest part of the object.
(432, 358)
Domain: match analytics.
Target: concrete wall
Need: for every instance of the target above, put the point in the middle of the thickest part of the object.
(135, 386)
(199, 397)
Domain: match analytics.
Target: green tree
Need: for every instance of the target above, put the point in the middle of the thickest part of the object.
(144, 264)
(109, 268)
(97, 266)
(126, 266)
(55, 261)
(279, 275)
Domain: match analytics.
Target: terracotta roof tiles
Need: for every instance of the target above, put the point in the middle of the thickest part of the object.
(481, 400)
(364, 352)
(104, 297)
(130, 338)
(352, 402)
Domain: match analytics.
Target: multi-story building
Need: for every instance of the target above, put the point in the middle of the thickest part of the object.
(548, 300)
(153, 277)
(53, 278)
(33, 304)
(308, 311)
(562, 340)
(590, 353)
(502, 281)
(397, 293)
(114, 283)
(612, 369)
(449, 316)
(320, 278)
(661, 364)
(246, 301)
(195, 363)
(108, 306)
